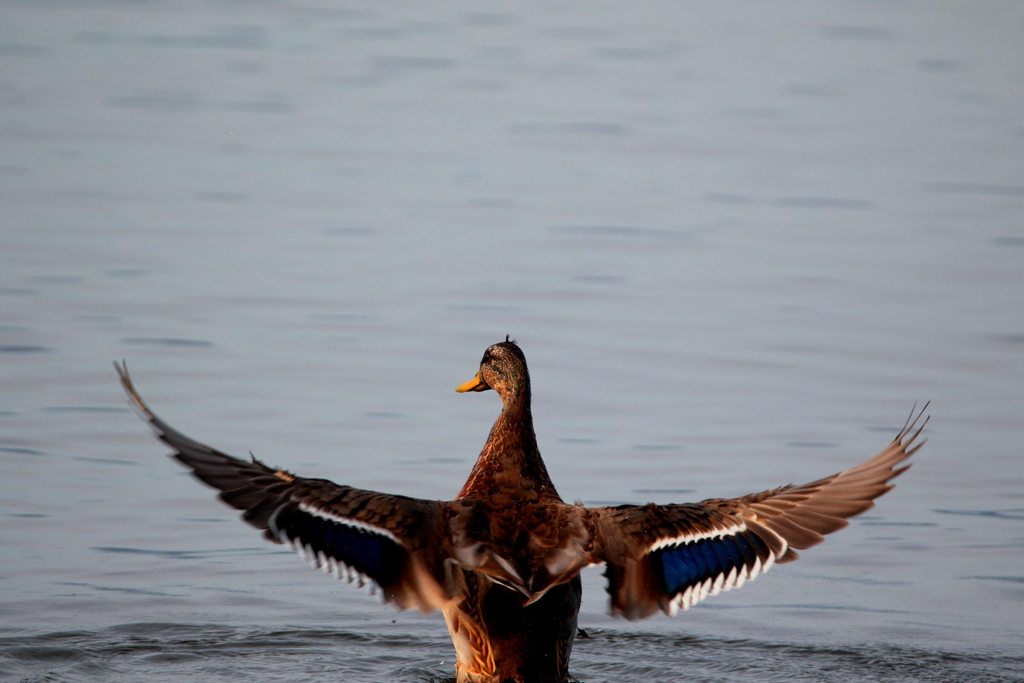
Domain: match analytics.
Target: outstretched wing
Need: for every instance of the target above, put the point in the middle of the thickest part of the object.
(398, 543)
(669, 557)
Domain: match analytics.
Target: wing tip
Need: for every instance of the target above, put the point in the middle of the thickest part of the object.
(134, 399)
(911, 425)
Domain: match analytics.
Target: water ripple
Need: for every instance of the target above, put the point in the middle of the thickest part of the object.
(158, 652)
(1016, 513)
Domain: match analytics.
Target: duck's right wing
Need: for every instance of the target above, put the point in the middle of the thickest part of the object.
(669, 557)
(399, 543)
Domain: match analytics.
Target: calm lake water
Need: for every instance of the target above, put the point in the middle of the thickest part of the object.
(736, 242)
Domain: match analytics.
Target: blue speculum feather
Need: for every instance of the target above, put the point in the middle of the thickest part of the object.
(720, 549)
(678, 568)
(359, 549)
(695, 562)
(359, 545)
(694, 553)
(712, 558)
(744, 548)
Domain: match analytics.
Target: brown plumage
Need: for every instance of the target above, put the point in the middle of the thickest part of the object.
(502, 559)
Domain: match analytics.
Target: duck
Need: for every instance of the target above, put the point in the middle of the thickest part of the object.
(502, 559)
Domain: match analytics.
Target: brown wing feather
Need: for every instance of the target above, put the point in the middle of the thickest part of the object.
(400, 543)
(802, 515)
(671, 556)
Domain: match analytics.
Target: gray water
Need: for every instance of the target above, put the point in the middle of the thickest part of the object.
(736, 242)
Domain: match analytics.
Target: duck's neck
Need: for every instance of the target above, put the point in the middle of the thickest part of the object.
(510, 460)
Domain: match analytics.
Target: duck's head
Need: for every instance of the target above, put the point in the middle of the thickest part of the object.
(503, 368)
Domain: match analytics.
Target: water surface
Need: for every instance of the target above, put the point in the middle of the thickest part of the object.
(736, 243)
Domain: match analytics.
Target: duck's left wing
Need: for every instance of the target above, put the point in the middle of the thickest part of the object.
(669, 557)
(399, 543)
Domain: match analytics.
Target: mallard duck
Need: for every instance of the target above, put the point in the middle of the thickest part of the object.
(502, 559)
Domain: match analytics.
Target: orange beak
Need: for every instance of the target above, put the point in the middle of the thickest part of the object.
(475, 384)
